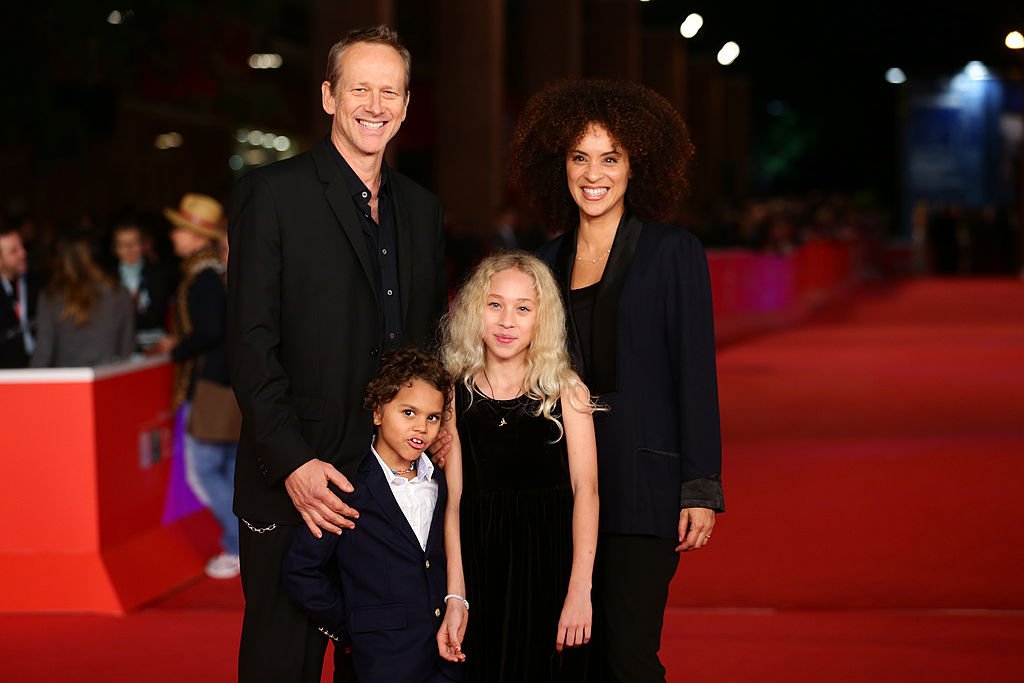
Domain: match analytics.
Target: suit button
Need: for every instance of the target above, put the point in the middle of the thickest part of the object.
(427, 564)
(437, 612)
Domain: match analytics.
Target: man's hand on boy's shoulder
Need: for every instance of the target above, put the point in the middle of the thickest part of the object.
(452, 631)
(307, 486)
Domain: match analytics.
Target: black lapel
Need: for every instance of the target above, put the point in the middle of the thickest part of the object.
(602, 378)
(381, 491)
(405, 250)
(564, 260)
(437, 522)
(340, 200)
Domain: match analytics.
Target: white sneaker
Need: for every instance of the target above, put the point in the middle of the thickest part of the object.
(223, 566)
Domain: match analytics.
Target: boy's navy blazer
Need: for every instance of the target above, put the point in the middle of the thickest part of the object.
(393, 591)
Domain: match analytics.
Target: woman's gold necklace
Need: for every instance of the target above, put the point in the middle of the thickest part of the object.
(599, 258)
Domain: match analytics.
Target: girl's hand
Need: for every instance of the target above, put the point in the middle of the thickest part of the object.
(574, 626)
(453, 628)
(438, 451)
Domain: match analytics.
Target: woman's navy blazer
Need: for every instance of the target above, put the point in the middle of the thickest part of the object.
(652, 362)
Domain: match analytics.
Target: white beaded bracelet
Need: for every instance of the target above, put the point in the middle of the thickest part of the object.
(457, 597)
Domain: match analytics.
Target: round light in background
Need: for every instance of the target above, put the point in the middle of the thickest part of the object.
(1014, 40)
(728, 54)
(282, 143)
(976, 71)
(114, 18)
(255, 137)
(242, 135)
(267, 142)
(236, 162)
(895, 76)
(691, 25)
(259, 60)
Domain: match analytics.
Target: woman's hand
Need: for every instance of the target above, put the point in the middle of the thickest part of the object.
(574, 626)
(695, 525)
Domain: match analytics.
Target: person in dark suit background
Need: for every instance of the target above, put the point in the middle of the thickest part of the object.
(146, 281)
(389, 603)
(638, 295)
(334, 257)
(18, 298)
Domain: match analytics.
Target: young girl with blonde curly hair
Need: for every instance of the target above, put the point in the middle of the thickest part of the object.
(522, 475)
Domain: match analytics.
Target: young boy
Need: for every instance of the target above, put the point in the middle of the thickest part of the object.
(392, 593)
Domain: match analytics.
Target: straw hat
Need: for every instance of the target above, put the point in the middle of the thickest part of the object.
(199, 213)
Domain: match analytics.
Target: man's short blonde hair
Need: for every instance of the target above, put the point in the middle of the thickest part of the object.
(381, 35)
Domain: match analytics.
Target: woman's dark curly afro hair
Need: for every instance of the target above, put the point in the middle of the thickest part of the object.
(642, 122)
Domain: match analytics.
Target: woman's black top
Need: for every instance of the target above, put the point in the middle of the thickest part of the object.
(582, 302)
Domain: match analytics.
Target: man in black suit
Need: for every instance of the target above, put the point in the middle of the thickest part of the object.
(145, 281)
(18, 296)
(334, 257)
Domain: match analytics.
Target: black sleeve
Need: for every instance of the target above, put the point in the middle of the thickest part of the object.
(207, 309)
(254, 329)
(692, 334)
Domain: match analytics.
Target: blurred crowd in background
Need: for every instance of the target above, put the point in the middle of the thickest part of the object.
(134, 248)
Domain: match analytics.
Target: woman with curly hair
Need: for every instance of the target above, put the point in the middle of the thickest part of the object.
(522, 476)
(607, 163)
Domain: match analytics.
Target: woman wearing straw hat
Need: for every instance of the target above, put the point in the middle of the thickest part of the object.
(198, 348)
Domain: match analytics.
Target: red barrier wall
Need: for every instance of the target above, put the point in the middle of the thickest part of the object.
(83, 477)
(755, 292)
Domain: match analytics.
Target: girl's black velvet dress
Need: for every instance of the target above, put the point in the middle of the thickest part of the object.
(516, 541)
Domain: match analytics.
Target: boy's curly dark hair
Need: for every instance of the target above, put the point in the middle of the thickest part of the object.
(642, 122)
(398, 368)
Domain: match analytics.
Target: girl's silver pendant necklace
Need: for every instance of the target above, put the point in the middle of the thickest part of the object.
(503, 421)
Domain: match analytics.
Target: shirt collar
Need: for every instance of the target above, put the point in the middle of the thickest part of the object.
(130, 269)
(424, 468)
(355, 186)
(17, 282)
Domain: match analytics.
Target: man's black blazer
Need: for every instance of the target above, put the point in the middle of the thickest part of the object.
(652, 362)
(12, 340)
(391, 599)
(304, 320)
(154, 281)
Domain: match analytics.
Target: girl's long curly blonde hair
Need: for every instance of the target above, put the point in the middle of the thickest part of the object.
(548, 369)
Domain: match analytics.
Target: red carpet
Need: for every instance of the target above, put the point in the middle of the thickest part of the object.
(873, 461)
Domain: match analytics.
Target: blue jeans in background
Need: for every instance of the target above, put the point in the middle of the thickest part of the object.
(210, 472)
